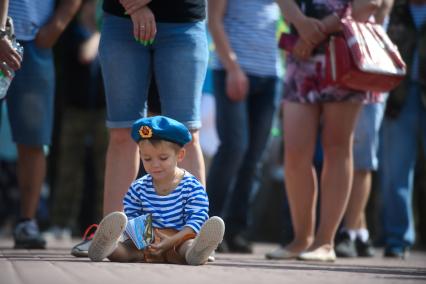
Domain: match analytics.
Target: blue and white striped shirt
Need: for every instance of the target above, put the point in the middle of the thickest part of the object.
(251, 27)
(29, 15)
(187, 205)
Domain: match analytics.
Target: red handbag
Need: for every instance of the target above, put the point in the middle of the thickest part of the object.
(363, 58)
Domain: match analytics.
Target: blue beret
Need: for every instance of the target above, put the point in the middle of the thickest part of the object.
(160, 127)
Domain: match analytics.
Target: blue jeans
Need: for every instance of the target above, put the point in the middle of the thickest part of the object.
(244, 130)
(179, 60)
(399, 144)
(366, 137)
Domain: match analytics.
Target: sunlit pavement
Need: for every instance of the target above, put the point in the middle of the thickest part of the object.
(56, 265)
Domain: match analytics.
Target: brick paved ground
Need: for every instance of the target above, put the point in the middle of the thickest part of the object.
(56, 265)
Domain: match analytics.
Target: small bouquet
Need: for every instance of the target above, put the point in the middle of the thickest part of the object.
(140, 231)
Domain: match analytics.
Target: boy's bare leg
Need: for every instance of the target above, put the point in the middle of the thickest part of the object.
(184, 247)
(126, 252)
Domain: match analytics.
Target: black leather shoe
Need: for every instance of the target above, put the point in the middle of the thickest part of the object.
(396, 252)
(345, 247)
(364, 249)
(239, 244)
(222, 247)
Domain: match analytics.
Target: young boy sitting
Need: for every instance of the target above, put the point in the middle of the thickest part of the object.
(184, 234)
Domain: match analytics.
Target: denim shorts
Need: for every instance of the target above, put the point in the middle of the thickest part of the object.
(179, 60)
(366, 140)
(30, 98)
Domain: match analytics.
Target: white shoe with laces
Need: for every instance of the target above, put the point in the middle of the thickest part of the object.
(107, 236)
(210, 236)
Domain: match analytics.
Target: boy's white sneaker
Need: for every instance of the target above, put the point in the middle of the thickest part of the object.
(210, 236)
(107, 235)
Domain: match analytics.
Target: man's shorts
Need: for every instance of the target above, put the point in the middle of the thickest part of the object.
(366, 140)
(30, 98)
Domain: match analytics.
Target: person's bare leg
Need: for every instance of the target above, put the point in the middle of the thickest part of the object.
(194, 159)
(336, 179)
(184, 247)
(31, 173)
(354, 217)
(122, 165)
(126, 252)
(300, 122)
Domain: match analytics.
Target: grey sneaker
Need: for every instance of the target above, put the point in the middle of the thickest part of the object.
(82, 248)
(27, 236)
(210, 236)
(107, 236)
(345, 247)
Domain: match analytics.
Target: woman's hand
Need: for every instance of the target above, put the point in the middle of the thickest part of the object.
(311, 30)
(302, 50)
(144, 27)
(237, 84)
(166, 242)
(8, 56)
(132, 6)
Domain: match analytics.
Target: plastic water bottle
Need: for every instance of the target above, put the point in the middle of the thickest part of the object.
(6, 80)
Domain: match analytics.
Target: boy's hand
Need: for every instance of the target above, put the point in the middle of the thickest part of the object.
(166, 242)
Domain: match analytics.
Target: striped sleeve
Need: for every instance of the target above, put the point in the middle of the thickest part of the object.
(132, 202)
(196, 210)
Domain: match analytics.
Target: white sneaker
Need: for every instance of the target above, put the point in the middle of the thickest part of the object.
(210, 236)
(107, 236)
(212, 257)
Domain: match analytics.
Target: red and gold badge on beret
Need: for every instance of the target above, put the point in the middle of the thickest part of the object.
(145, 132)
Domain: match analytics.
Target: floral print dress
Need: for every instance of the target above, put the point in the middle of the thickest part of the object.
(303, 81)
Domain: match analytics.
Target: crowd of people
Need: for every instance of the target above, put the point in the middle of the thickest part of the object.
(158, 52)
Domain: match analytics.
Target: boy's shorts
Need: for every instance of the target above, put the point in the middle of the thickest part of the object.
(30, 97)
(366, 140)
(171, 255)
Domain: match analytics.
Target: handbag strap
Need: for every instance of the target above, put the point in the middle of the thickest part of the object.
(354, 31)
(390, 47)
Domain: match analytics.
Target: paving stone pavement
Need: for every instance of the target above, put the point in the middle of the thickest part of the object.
(56, 265)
